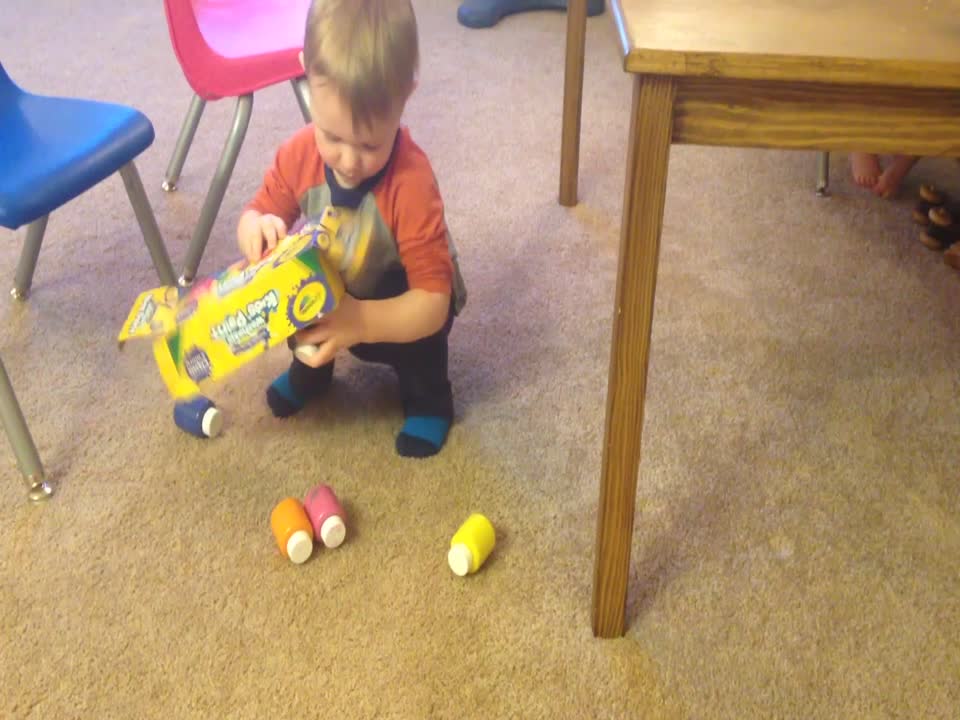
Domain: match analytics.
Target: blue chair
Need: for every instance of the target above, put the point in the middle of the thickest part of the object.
(54, 149)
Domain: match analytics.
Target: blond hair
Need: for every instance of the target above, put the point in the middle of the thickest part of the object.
(367, 49)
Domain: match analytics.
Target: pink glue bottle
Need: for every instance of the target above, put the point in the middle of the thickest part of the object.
(326, 515)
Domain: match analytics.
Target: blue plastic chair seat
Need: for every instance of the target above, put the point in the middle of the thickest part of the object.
(54, 149)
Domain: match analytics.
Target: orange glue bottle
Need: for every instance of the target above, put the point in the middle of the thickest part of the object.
(471, 545)
(292, 530)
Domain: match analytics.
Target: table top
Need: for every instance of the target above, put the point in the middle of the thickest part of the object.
(911, 43)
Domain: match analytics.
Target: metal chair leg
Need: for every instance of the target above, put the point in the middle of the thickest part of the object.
(28, 258)
(302, 90)
(211, 206)
(28, 460)
(823, 174)
(148, 223)
(187, 131)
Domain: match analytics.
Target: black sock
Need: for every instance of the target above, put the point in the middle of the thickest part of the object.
(288, 394)
(422, 435)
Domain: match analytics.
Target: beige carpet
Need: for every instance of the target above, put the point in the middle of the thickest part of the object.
(797, 550)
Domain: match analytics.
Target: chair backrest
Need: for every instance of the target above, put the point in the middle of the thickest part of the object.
(12, 131)
(188, 43)
(205, 32)
(244, 28)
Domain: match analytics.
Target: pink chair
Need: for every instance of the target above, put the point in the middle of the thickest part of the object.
(231, 48)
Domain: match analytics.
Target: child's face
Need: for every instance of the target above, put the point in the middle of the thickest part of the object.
(354, 154)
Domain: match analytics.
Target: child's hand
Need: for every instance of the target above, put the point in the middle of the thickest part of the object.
(343, 328)
(258, 234)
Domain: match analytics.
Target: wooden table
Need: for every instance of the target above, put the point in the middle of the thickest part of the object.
(872, 75)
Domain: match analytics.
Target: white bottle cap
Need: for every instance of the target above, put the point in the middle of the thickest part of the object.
(299, 547)
(212, 422)
(460, 559)
(333, 531)
(306, 351)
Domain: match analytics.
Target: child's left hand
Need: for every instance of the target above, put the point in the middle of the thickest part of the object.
(342, 328)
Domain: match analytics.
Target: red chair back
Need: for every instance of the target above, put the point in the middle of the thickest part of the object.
(228, 48)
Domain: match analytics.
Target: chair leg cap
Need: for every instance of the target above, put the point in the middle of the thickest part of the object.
(18, 294)
(168, 186)
(40, 490)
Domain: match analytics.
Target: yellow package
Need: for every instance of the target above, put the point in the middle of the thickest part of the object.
(223, 322)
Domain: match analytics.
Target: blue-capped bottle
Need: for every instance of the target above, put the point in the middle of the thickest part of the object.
(198, 416)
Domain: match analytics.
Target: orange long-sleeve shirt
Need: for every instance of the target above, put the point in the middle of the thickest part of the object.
(409, 231)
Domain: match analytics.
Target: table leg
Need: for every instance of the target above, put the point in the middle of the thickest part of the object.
(572, 101)
(643, 200)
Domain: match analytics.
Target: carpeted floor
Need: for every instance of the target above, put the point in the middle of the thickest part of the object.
(797, 549)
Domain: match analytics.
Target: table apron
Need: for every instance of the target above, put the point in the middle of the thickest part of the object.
(811, 116)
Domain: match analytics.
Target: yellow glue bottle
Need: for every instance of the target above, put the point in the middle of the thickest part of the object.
(471, 545)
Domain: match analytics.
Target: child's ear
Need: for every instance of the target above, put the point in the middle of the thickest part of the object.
(300, 58)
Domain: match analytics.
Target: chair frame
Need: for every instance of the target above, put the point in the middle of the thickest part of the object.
(228, 159)
(823, 174)
(23, 280)
(24, 449)
(21, 441)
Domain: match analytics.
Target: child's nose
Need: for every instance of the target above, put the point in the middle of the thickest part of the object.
(349, 158)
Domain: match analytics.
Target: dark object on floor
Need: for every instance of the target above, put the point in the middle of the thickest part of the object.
(938, 218)
(487, 13)
(930, 197)
(952, 256)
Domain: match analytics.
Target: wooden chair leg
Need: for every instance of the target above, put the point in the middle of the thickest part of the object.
(572, 101)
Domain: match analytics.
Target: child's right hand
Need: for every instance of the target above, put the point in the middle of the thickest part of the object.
(258, 234)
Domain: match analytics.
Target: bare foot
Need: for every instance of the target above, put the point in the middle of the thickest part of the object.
(889, 181)
(865, 168)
